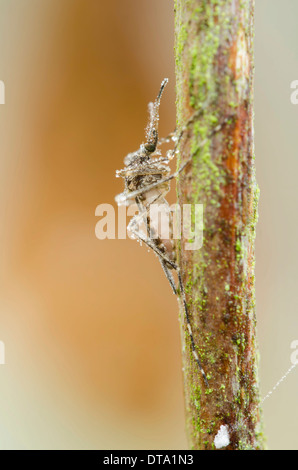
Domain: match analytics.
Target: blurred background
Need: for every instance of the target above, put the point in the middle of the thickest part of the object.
(86, 322)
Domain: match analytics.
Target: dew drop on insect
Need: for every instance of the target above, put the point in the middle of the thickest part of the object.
(121, 200)
(170, 154)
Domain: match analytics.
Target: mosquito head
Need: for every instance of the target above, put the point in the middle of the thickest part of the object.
(151, 144)
(150, 147)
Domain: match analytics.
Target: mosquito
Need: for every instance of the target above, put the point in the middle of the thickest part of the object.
(147, 178)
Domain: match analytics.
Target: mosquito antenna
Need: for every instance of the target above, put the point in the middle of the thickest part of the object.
(162, 87)
(152, 127)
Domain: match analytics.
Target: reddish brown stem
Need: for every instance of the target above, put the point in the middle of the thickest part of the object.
(214, 69)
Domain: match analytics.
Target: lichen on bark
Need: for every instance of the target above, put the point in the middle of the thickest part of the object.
(214, 73)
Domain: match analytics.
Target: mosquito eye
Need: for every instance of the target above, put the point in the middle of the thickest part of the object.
(150, 147)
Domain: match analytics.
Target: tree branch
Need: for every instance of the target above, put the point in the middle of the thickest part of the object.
(214, 70)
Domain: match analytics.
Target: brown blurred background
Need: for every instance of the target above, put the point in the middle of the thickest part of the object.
(90, 327)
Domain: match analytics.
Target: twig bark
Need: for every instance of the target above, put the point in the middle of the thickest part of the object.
(214, 70)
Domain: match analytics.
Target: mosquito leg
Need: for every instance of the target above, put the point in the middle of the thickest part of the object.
(194, 352)
(167, 139)
(155, 249)
(134, 224)
(172, 284)
(173, 135)
(168, 275)
(163, 260)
